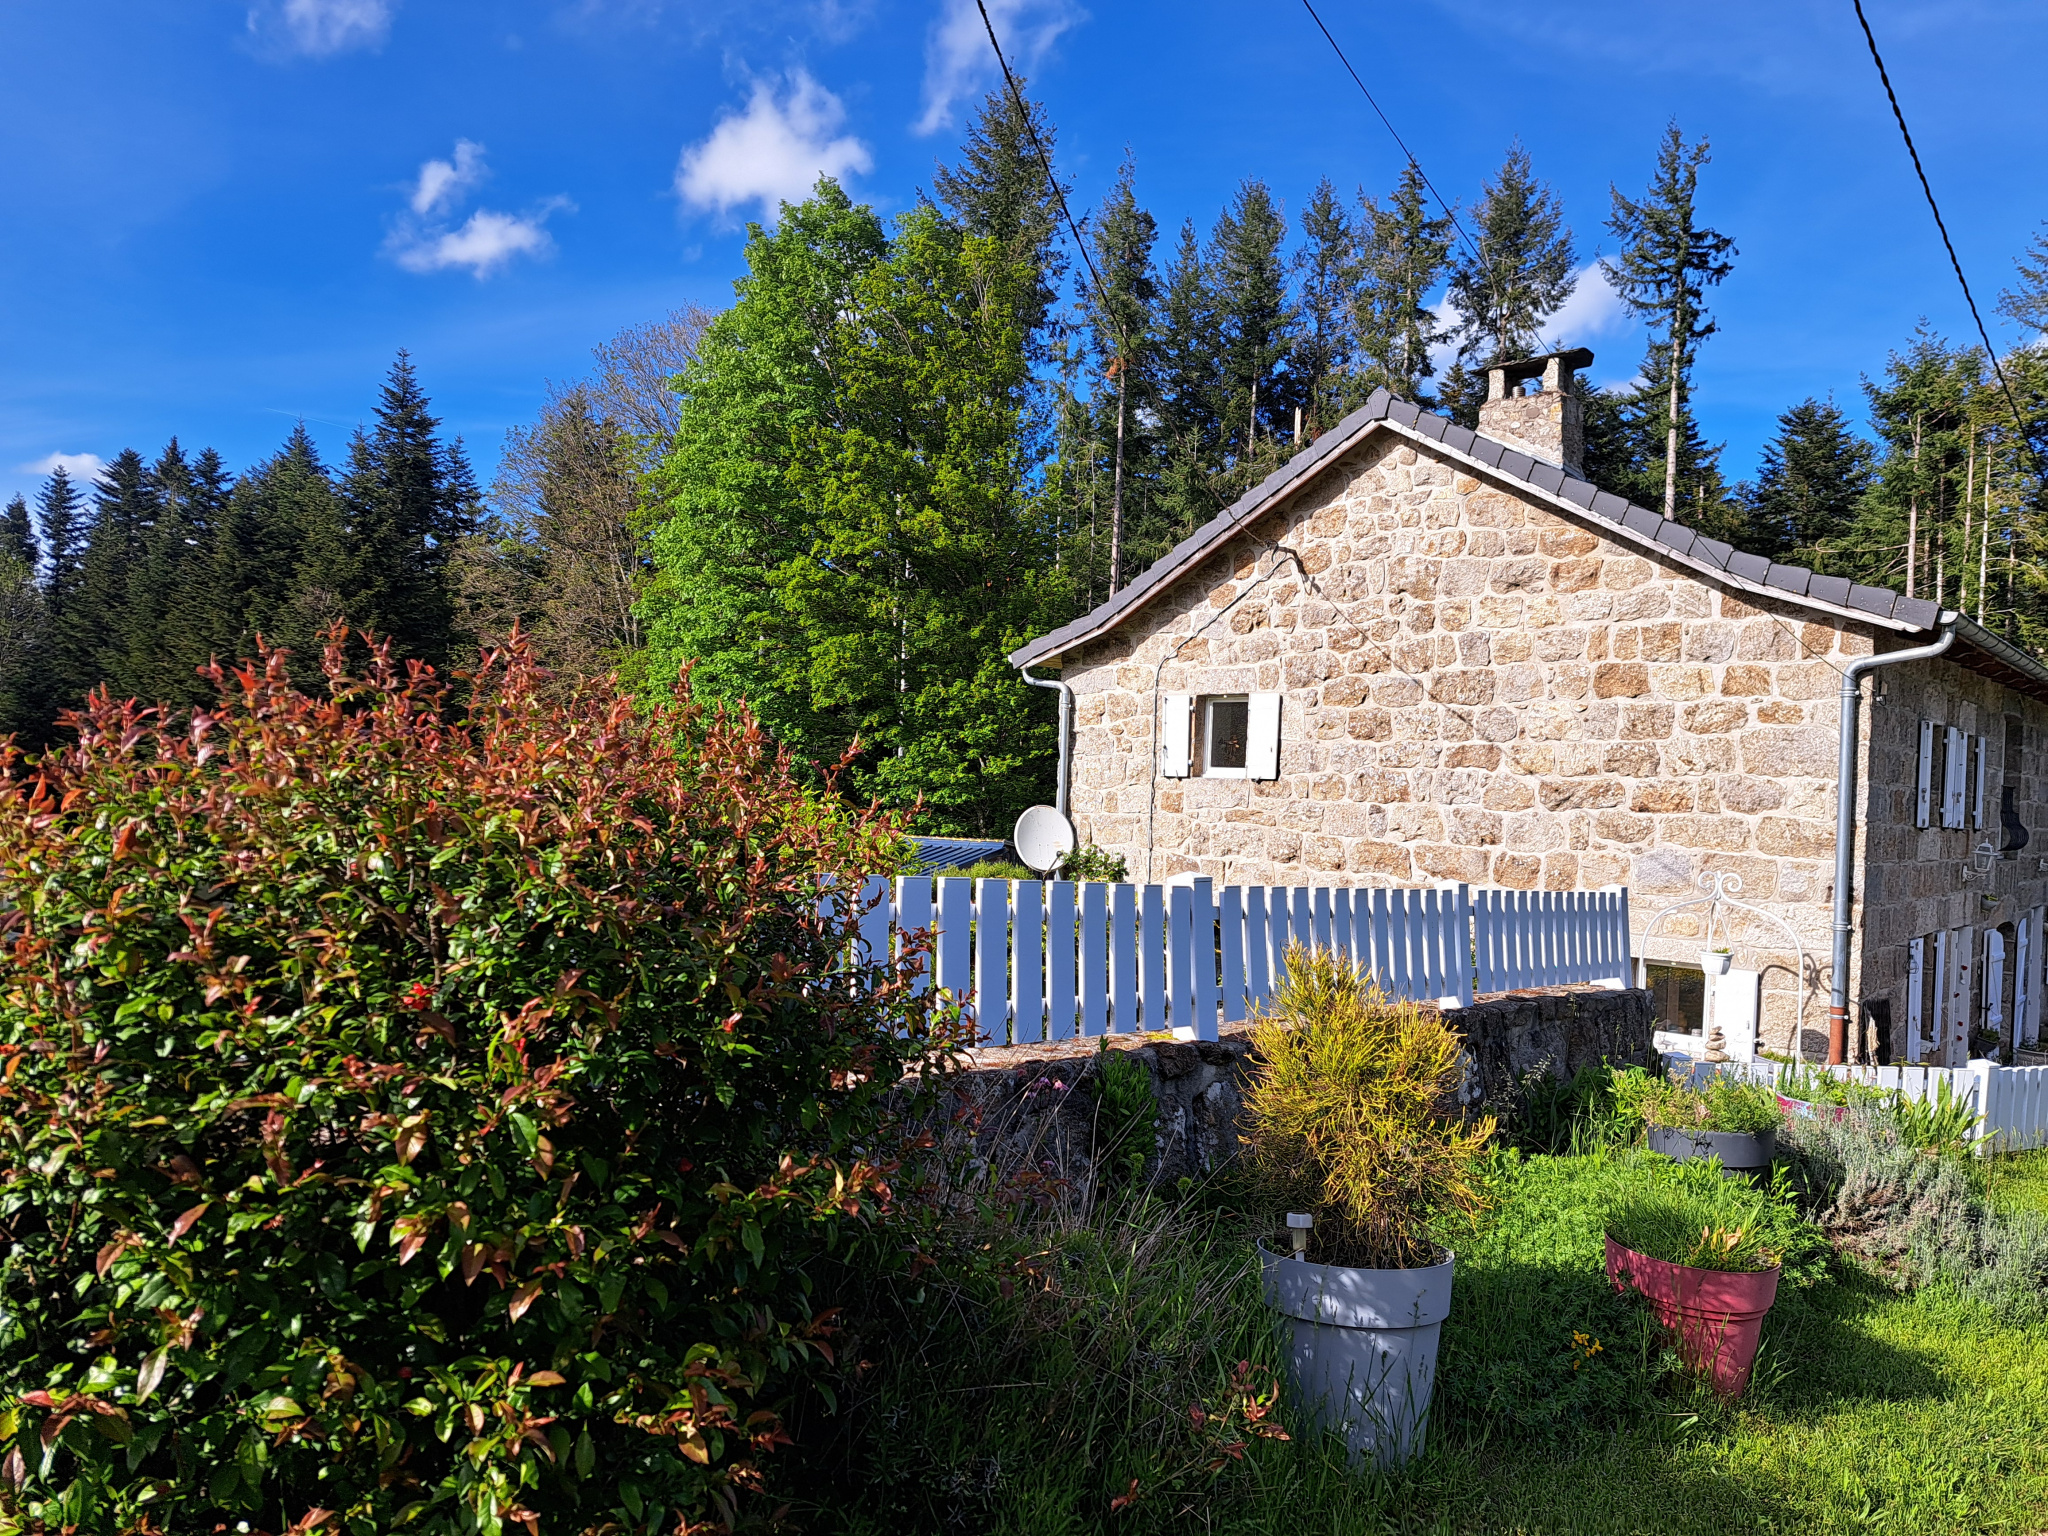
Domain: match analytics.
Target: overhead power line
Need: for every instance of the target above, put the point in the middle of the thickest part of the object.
(1024, 117)
(1954, 261)
(1449, 212)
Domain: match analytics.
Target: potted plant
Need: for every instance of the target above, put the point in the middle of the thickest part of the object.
(1725, 1119)
(1705, 1254)
(1351, 1119)
(1715, 961)
(1808, 1093)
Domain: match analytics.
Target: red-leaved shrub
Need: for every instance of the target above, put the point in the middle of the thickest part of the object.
(417, 1114)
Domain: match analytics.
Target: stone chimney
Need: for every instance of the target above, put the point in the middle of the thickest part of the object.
(1530, 407)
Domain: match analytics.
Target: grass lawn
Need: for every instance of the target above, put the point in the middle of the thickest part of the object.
(1872, 1410)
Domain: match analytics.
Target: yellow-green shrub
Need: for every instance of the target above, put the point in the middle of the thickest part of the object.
(1352, 1113)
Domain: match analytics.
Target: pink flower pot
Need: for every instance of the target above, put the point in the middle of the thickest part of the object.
(1717, 1318)
(1803, 1107)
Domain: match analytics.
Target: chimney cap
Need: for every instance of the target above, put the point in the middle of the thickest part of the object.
(1554, 368)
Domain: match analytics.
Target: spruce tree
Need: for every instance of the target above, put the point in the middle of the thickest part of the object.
(1666, 263)
(999, 192)
(59, 508)
(408, 499)
(1122, 316)
(1810, 482)
(18, 534)
(92, 631)
(1521, 270)
(1405, 253)
(2026, 302)
(280, 560)
(1328, 300)
(1192, 395)
(1255, 327)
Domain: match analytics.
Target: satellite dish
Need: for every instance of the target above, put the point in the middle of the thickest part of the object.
(1043, 837)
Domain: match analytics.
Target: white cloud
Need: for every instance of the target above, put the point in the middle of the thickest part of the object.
(426, 240)
(445, 181)
(483, 244)
(79, 466)
(959, 62)
(320, 28)
(1593, 310)
(773, 152)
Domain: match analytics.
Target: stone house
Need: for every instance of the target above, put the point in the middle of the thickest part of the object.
(1420, 653)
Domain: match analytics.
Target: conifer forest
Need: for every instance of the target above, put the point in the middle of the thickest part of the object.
(911, 443)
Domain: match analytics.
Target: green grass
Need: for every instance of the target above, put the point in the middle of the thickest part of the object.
(2018, 1183)
(1872, 1411)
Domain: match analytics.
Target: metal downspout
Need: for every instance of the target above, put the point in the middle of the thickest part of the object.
(1066, 691)
(1845, 831)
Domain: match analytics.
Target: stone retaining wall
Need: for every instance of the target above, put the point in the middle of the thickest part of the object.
(1032, 1110)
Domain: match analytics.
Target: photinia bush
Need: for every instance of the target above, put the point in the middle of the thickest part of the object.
(417, 1115)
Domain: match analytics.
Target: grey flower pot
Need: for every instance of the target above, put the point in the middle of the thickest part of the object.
(1742, 1153)
(1361, 1355)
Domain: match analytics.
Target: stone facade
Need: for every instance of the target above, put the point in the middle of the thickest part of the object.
(1478, 687)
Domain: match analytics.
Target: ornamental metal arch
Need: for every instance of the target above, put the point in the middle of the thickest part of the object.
(1719, 886)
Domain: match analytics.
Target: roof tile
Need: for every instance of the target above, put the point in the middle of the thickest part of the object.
(1641, 520)
(1516, 466)
(1458, 437)
(1920, 612)
(1830, 589)
(1547, 477)
(1403, 411)
(1713, 551)
(1675, 535)
(1487, 451)
(1877, 600)
(1789, 578)
(1610, 506)
(1581, 491)
(1431, 425)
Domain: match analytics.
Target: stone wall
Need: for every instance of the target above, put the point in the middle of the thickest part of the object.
(1477, 688)
(1031, 1109)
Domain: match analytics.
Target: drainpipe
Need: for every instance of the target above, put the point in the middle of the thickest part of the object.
(1066, 713)
(1845, 830)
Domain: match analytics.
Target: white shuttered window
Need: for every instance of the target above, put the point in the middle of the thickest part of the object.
(1262, 746)
(1176, 734)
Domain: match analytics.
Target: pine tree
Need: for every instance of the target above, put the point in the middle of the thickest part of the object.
(162, 652)
(999, 192)
(91, 630)
(409, 499)
(1255, 326)
(1811, 479)
(1191, 400)
(1667, 262)
(279, 563)
(1121, 314)
(1405, 255)
(2027, 301)
(1521, 271)
(58, 508)
(1327, 300)
(17, 534)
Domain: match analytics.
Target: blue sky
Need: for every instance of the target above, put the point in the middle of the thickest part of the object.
(226, 216)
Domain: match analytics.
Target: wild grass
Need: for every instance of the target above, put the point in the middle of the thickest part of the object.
(1025, 1394)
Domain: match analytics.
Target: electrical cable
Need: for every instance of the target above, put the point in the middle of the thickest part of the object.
(1449, 212)
(1948, 244)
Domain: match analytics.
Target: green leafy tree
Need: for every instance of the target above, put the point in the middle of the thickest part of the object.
(1812, 477)
(1405, 254)
(848, 542)
(1519, 272)
(1667, 262)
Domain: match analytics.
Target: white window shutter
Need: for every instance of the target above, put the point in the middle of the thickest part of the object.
(1177, 725)
(1262, 737)
(1938, 1024)
(1916, 995)
(1994, 982)
(1955, 764)
(1962, 993)
(1924, 782)
(1977, 785)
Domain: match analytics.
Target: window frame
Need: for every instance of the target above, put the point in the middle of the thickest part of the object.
(1205, 706)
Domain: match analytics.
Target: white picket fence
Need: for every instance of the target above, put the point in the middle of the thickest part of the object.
(2011, 1102)
(1032, 960)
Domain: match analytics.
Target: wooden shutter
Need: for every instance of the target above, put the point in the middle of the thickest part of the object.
(1924, 780)
(1962, 992)
(1982, 767)
(1955, 764)
(1916, 995)
(1937, 1021)
(1177, 728)
(1734, 999)
(1994, 982)
(1262, 737)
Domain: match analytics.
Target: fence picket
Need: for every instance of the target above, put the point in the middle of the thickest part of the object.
(1027, 968)
(1059, 960)
(1180, 957)
(1123, 943)
(1094, 978)
(914, 914)
(1258, 948)
(991, 960)
(955, 937)
(1205, 961)
(1152, 957)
